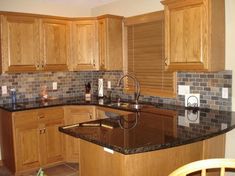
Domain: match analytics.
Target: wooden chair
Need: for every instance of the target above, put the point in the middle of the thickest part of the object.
(204, 166)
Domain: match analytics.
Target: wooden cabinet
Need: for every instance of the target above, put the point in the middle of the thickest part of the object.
(79, 114)
(52, 141)
(110, 42)
(85, 45)
(27, 141)
(35, 140)
(194, 35)
(55, 44)
(31, 44)
(20, 43)
(73, 115)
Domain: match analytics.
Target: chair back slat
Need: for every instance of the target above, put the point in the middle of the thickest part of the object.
(203, 172)
(222, 171)
(204, 166)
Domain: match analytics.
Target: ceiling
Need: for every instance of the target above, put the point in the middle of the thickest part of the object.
(86, 3)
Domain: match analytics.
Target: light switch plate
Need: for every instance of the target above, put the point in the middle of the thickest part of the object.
(54, 85)
(4, 90)
(109, 85)
(225, 92)
(183, 89)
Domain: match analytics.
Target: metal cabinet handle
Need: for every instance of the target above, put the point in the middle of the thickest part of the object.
(90, 115)
(42, 131)
(41, 117)
(166, 62)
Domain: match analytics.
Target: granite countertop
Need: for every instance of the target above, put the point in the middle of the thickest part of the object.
(154, 127)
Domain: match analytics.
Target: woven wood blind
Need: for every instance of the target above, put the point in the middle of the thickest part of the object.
(145, 53)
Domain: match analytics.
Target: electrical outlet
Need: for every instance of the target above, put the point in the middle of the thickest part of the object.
(192, 100)
(4, 90)
(182, 89)
(225, 92)
(54, 85)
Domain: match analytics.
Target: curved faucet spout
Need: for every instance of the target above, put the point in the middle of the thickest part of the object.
(137, 86)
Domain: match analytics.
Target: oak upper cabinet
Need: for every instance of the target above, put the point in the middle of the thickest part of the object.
(20, 43)
(194, 35)
(85, 45)
(73, 115)
(55, 44)
(110, 42)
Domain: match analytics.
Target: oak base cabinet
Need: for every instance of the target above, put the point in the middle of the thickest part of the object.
(34, 139)
(79, 114)
(73, 115)
(95, 161)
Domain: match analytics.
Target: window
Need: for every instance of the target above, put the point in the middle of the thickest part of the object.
(144, 40)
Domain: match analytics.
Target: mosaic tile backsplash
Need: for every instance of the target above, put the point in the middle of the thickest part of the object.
(70, 84)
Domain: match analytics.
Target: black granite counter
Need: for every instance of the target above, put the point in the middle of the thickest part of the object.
(149, 131)
(154, 127)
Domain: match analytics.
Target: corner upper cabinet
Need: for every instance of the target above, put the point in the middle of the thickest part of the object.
(110, 42)
(55, 44)
(85, 45)
(194, 35)
(20, 43)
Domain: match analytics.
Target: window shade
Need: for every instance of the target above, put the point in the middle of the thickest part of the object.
(145, 52)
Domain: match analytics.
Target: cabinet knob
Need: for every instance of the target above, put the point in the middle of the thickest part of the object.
(44, 130)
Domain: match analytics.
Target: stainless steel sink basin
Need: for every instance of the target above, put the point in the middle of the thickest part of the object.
(127, 105)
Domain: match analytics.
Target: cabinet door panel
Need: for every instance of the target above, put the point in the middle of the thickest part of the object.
(75, 114)
(186, 35)
(27, 147)
(54, 148)
(20, 40)
(55, 40)
(85, 45)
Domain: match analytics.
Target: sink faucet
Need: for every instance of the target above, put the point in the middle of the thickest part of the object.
(137, 86)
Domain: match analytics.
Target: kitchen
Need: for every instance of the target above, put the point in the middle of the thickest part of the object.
(69, 83)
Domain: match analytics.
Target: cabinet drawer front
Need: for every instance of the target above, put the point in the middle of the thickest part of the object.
(75, 114)
(25, 117)
(50, 114)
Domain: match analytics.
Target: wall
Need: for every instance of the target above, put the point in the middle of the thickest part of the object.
(230, 64)
(128, 7)
(45, 7)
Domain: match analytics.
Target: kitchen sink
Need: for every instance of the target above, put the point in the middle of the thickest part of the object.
(127, 105)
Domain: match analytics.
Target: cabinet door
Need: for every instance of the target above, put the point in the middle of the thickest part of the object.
(53, 142)
(27, 151)
(110, 43)
(186, 36)
(75, 114)
(85, 48)
(20, 43)
(55, 44)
